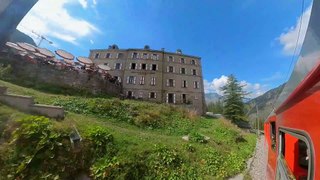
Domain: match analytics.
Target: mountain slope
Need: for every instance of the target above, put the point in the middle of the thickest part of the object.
(212, 97)
(264, 102)
(18, 36)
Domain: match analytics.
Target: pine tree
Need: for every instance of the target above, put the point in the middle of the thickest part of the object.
(233, 106)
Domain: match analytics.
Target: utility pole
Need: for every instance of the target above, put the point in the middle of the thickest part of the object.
(41, 39)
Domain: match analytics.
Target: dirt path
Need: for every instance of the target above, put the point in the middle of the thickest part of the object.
(257, 164)
(258, 167)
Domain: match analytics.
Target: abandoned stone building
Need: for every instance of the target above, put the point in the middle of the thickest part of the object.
(156, 75)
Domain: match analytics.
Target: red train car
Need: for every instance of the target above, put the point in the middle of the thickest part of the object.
(292, 131)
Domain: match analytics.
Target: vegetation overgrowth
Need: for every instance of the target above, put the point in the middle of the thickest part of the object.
(120, 140)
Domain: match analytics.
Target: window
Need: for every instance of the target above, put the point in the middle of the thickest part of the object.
(120, 56)
(184, 84)
(170, 59)
(183, 70)
(171, 98)
(134, 55)
(133, 66)
(193, 62)
(153, 81)
(142, 80)
(184, 98)
(96, 56)
(153, 95)
(117, 66)
(170, 69)
(170, 82)
(144, 66)
(154, 67)
(155, 57)
(145, 56)
(119, 79)
(131, 80)
(182, 61)
(196, 84)
(140, 95)
(106, 64)
(129, 94)
(295, 156)
(194, 72)
(273, 135)
(108, 55)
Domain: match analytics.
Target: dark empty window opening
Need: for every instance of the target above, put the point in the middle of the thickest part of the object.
(133, 66)
(184, 84)
(171, 82)
(170, 68)
(193, 62)
(183, 70)
(130, 94)
(182, 61)
(184, 98)
(118, 66)
(154, 67)
(143, 66)
(108, 55)
(96, 56)
(170, 59)
(152, 95)
(170, 98)
(194, 72)
(135, 55)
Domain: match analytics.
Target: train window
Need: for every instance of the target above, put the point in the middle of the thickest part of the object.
(273, 135)
(294, 159)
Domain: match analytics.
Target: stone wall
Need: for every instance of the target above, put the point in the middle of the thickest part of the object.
(26, 104)
(49, 74)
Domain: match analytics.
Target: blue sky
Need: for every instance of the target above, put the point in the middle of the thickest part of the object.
(252, 39)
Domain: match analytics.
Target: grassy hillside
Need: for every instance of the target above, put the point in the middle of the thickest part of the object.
(121, 140)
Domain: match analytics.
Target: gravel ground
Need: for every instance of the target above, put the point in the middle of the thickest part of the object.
(259, 164)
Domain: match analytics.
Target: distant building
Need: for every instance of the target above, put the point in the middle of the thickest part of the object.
(156, 75)
(11, 13)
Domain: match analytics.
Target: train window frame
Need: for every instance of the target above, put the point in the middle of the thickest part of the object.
(282, 168)
(273, 135)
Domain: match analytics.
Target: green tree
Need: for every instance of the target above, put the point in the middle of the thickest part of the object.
(233, 106)
(216, 107)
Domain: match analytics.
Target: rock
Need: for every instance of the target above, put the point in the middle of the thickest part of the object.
(186, 138)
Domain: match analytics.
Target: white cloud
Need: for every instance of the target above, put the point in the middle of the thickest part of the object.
(51, 19)
(91, 41)
(289, 38)
(84, 3)
(94, 2)
(255, 89)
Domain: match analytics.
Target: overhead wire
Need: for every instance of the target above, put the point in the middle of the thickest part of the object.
(293, 58)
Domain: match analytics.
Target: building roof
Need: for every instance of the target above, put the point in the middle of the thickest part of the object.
(151, 50)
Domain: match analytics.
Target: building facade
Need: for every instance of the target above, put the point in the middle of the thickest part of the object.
(156, 75)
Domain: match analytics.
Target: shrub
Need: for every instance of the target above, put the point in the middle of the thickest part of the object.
(197, 137)
(101, 141)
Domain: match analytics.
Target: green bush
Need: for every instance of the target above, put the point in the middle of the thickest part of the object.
(197, 137)
(101, 141)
